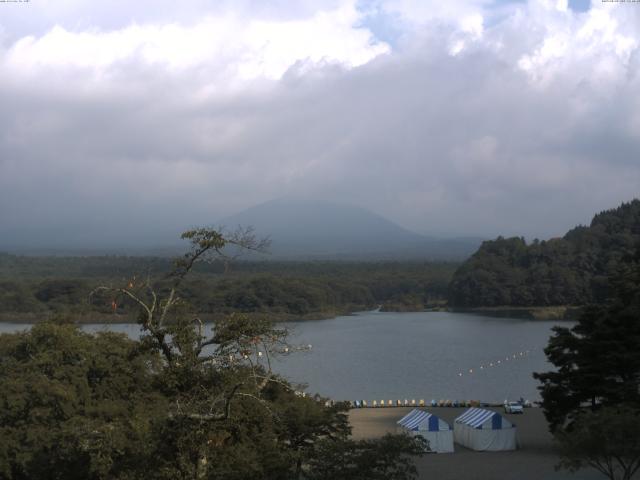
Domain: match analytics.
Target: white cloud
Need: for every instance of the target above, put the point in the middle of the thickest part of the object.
(597, 44)
(517, 119)
(229, 48)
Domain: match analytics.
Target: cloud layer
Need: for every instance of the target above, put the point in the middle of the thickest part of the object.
(474, 117)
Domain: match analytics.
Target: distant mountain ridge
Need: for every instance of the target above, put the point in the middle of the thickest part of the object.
(572, 270)
(300, 229)
(303, 228)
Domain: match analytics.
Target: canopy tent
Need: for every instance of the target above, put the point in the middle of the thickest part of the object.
(484, 430)
(435, 430)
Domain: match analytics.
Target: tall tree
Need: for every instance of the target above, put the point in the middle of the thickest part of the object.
(598, 360)
(592, 400)
(184, 402)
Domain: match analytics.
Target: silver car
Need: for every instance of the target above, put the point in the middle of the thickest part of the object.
(513, 407)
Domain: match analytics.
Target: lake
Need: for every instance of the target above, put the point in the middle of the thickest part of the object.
(426, 355)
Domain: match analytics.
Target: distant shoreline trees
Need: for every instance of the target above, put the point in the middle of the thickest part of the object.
(572, 270)
(34, 288)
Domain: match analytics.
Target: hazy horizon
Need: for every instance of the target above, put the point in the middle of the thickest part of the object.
(282, 219)
(123, 124)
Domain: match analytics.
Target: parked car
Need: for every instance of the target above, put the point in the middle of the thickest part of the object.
(513, 407)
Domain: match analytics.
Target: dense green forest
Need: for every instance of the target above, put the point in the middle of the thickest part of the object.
(571, 270)
(32, 288)
(177, 403)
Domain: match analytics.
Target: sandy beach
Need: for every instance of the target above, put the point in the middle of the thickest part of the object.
(534, 460)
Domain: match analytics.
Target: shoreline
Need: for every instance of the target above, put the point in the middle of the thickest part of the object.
(119, 319)
(558, 313)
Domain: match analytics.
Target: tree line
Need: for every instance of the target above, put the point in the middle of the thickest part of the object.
(282, 290)
(572, 270)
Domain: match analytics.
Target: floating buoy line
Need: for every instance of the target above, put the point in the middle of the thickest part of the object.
(496, 363)
(283, 351)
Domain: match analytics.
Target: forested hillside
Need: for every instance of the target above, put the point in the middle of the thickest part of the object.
(571, 270)
(33, 288)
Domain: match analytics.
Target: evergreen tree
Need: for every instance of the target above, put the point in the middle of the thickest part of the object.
(592, 400)
(597, 360)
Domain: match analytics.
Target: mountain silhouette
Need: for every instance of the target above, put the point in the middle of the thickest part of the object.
(306, 228)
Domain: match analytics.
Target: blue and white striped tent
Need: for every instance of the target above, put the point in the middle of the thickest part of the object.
(484, 430)
(434, 429)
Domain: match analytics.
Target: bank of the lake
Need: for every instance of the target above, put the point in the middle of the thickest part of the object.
(556, 312)
(30, 318)
(425, 355)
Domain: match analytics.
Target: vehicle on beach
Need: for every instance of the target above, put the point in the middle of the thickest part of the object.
(513, 407)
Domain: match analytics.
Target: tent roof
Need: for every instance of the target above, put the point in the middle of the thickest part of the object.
(476, 417)
(415, 418)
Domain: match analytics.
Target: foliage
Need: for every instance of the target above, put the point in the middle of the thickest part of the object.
(592, 400)
(384, 459)
(606, 440)
(598, 359)
(182, 403)
(572, 270)
(73, 405)
(281, 290)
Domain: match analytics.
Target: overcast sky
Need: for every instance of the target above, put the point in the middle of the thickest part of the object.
(121, 120)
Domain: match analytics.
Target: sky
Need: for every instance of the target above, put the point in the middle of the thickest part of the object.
(123, 122)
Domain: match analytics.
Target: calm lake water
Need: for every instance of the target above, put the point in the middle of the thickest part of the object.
(376, 355)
